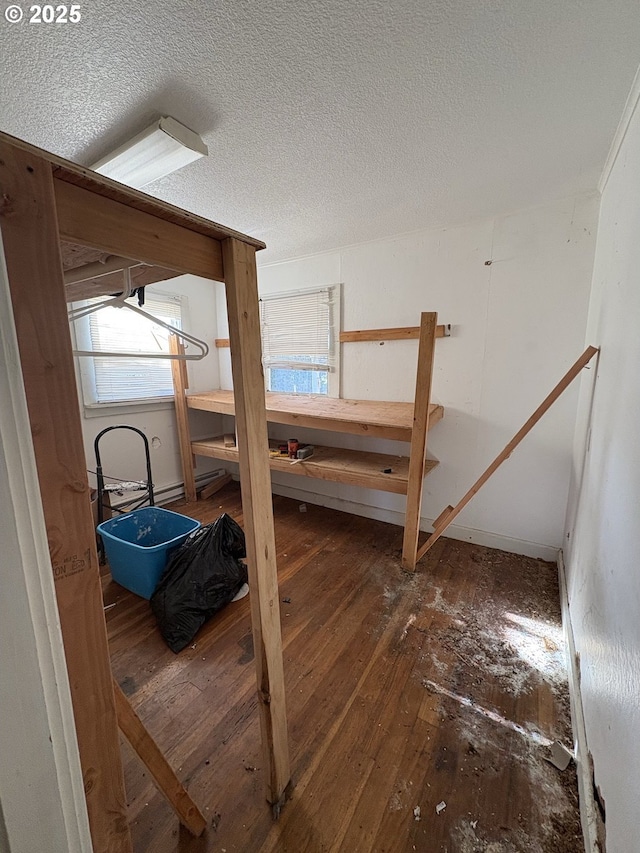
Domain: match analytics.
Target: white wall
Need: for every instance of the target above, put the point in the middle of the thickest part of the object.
(518, 324)
(122, 454)
(603, 548)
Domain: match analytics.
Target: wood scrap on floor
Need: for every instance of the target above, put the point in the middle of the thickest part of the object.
(215, 485)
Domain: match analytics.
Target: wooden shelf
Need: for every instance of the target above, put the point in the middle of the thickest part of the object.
(399, 421)
(339, 465)
(358, 417)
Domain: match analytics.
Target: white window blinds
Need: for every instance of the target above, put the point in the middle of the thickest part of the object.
(298, 329)
(121, 379)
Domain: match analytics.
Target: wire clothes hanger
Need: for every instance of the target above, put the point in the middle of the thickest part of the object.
(119, 302)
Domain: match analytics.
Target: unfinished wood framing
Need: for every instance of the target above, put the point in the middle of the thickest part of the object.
(369, 419)
(30, 239)
(447, 515)
(46, 200)
(255, 480)
(112, 226)
(417, 460)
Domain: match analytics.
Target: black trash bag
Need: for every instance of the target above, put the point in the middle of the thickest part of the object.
(201, 578)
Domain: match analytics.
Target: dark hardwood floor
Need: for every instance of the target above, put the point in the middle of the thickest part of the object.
(420, 706)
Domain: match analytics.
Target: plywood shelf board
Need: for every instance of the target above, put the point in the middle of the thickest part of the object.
(393, 420)
(336, 464)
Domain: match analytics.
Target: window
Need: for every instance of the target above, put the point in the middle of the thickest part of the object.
(300, 341)
(108, 381)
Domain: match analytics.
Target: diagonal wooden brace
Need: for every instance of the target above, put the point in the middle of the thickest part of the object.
(161, 772)
(446, 517)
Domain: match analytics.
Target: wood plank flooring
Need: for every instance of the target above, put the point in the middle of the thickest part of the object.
(404, 692)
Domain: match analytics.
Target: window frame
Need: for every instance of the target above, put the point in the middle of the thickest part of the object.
(334, 374)
(81, 335)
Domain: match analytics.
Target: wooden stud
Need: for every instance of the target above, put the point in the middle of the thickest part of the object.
(159, 768)
(30, 238)
(417, 458)
(114, 227)
(255, 481)
(222, 343)
(180, 385)
(445, 518)
(398, 333)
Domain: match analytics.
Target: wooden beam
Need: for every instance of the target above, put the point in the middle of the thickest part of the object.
(112, 226)
(255, 481)
(417, 457)
(398, 333)
(159, 768)
(180, 385)
(30, 237)
(82, 176)
(446, 517)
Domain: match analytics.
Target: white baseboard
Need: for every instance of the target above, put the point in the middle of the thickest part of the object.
(588, 809)
(464, 534)
(172, 492)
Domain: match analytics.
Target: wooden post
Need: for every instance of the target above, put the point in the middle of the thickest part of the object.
(446, 516)
(180, 385)
(255, 481)
(149, 753)
(30, 236)
(418, 453)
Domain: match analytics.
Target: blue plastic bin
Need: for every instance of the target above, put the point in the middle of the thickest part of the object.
(139, 544)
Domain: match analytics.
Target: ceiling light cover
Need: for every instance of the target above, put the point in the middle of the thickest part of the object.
(161, 149)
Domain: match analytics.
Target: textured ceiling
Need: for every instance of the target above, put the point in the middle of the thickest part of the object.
(333, 122)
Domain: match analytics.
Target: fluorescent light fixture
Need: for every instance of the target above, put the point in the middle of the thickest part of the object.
(162, 148)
